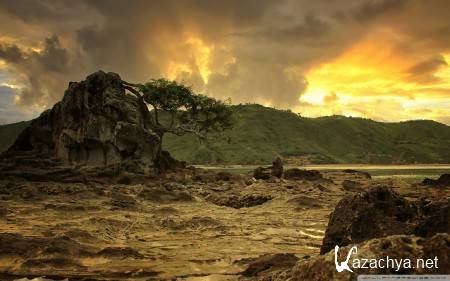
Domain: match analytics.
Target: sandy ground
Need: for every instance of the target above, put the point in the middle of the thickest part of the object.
(138, 232)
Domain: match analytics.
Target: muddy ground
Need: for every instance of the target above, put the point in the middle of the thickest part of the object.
(191, 226)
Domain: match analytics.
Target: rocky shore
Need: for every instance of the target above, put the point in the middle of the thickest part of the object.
(86, 195)
(194, 223)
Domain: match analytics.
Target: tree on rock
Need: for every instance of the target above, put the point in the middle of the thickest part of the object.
(176, 109)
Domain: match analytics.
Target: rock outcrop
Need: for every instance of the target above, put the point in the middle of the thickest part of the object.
(435, 218)
(381, 212)
(96, 124)
(395, 247)
(442, 181)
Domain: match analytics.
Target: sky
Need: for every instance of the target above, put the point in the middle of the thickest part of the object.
(386, 60)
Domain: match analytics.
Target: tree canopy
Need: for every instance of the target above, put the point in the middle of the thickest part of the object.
(176, 109)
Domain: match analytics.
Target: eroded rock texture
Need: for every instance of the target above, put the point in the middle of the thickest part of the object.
(95, 124)
(396, 247)
(381, 212)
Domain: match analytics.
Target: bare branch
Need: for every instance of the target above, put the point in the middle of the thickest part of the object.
(129, 84)
(142, 106)
(132, 90)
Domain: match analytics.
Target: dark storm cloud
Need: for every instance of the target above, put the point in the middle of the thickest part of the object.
(132, 34)
(10, 53)
(310, 28)
(54, 57)
(245, 80)
(118, 49)
(250, 75)
(251, 51)
(371, 9)
(40, 72)
(42, 11)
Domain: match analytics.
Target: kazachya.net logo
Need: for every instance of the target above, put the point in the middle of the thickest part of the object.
(387, 262)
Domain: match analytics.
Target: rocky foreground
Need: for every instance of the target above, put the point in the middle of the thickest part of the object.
(193, 224)
(87, 194)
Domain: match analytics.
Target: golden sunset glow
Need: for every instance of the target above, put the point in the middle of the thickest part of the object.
(371, 76)
(198, 61)
(378, 59)
(202, 55)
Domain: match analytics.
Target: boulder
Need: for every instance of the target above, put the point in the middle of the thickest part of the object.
(395, 247)
(96, 124)
(435, 218)
(277, 167)
(442, 181)
(298, 174)
(381, 212)
(376, 213)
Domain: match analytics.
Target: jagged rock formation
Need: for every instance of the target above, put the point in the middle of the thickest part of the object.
(96, 124)
(381, 212)
(395, 247)
(380, 223)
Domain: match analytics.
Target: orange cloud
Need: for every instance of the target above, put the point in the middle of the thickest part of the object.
(374, 78)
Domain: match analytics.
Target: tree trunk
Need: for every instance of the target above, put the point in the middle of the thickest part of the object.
(164, 161)
(160, 161)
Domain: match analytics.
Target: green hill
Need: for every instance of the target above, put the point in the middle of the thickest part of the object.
(261, 133)
(9, 133)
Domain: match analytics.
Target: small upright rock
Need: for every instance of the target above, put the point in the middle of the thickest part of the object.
(264, 173)
(277, 167)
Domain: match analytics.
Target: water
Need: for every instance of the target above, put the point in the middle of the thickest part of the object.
(376, 171)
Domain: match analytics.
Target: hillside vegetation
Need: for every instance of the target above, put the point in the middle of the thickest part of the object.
(9, 133)
(262, 133)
